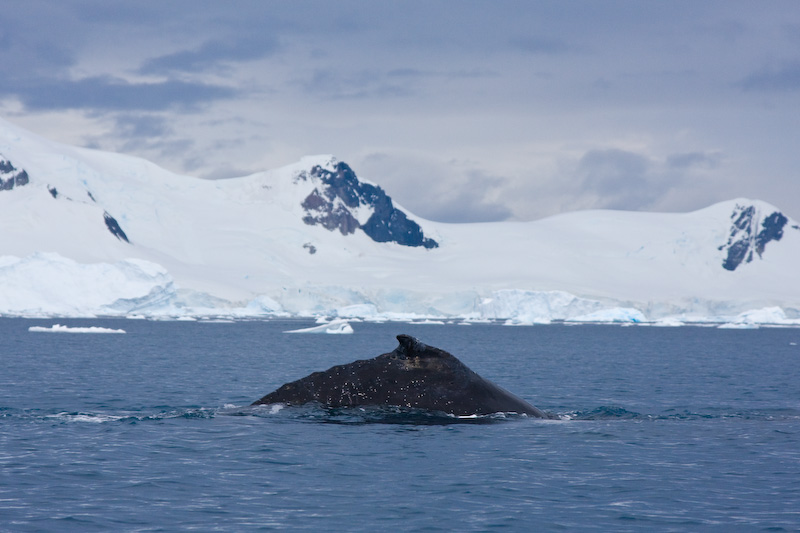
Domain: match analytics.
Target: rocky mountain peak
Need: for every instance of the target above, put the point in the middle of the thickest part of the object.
(10, 176)
(750, 232)
(341, 201)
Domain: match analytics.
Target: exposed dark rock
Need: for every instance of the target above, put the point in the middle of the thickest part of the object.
(10, 176)
(736, 254)
(389, 224)
(21, 179)
(325, 212)
(342, 191)
(772, 231)
(310, 247)
(745, 218)
(53, 192)
(750, 234)
(114, 228)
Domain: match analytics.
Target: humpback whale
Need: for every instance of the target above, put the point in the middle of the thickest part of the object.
(414, 375)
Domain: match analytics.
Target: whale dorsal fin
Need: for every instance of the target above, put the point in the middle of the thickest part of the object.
(410, 345)
(413, 347)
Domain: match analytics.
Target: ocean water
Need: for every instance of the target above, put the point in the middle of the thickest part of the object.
(665, 429)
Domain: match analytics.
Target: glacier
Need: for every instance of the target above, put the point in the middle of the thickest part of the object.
(313, 240)
(47, 285)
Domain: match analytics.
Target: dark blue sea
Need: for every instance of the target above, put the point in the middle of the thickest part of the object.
(662, 429)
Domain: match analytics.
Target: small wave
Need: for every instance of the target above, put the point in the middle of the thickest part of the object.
(85, 417)
(93, 418)
(60, 416)
(317, 413)
(314, 412)
(604, 412)
(188, 413)
(728, 413)
(620, 413)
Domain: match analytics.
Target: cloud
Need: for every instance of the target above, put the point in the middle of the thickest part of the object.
(376, 83)
(540, 45)
(465, 201)
(332, 84)
(445, 192)
(693, 159)
(783, 78)
(226, 172)
(463, 191)
(460, 74)
(525, 90)
(148, 135)
(634, 181)
(142, 125)
(27, 52)
(621, 179)
(618, 177)
(108, 93)
(211, 54)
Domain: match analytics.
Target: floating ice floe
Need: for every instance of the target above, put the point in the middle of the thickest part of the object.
(335, 327)
(738, 325)
(668, 322)
(534, 322)
(58, 328)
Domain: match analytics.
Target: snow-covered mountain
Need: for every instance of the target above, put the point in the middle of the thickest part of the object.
(86, 232)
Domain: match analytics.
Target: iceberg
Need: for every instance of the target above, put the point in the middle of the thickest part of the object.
(614, 315)
(48, 284)
(334, 327)
(668, 322)
(519, 307)
(58, 328)
(774, 316)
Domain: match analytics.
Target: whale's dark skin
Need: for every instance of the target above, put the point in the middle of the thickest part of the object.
(414, 375)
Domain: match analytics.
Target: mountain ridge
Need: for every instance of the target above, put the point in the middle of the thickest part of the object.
(312, 237)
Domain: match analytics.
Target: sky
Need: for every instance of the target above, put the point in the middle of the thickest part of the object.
(463, 111)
